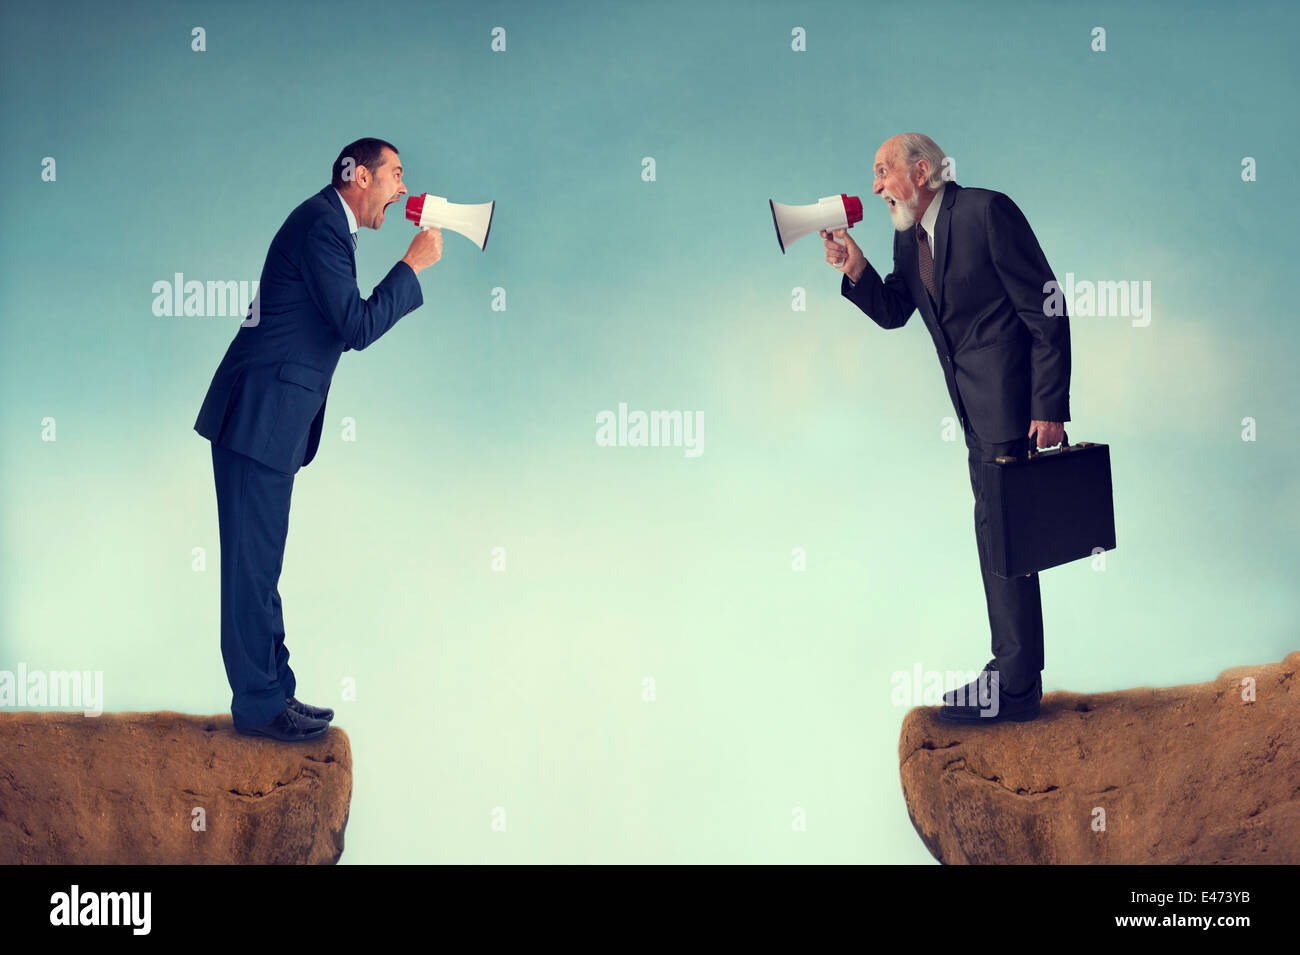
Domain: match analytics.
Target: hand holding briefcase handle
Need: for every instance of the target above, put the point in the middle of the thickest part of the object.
(1034, 452)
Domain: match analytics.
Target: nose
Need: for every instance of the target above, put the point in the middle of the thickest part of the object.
(878, 188)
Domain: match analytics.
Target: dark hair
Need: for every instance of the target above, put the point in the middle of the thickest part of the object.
(368, 152)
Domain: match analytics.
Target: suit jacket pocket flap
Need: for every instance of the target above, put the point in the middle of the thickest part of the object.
(302, 375)
(1005, 340)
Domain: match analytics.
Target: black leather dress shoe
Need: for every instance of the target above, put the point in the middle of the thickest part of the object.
(306, 709)
(968, 693)
(1015, 709)
(289, 727)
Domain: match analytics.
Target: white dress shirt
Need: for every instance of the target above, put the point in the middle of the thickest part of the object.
(932, 216)
(352, 220)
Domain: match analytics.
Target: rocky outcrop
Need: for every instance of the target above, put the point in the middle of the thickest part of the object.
(1195, 774)
(166, 788)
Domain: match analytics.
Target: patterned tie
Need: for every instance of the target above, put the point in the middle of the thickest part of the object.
(926, 259)
(354, 241)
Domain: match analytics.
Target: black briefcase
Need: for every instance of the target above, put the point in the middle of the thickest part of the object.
(1049, 508)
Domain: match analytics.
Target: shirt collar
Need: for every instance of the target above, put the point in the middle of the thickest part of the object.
(347, 209)
(932, 211)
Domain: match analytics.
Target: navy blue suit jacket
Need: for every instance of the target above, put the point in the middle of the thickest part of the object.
(1004, 360)
(267, 398)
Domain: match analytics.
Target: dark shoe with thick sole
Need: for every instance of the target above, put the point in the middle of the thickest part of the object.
(1009, 710)
(309, 711)
(971, 690)
(288, 727)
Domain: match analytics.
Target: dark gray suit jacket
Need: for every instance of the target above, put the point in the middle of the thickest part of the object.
(1004, 360)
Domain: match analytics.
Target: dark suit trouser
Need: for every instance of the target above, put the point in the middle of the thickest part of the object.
(253, 513)
(1015, 607)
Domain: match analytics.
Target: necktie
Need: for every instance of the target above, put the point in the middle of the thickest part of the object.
(354, 241)
(925, 258)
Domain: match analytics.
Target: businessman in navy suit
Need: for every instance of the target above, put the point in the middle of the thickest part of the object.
(266, 406)
(969, 261)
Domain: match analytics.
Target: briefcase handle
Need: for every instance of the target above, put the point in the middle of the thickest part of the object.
(1033, 449)
(1065, 444)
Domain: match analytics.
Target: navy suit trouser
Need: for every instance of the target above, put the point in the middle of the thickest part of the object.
(1015, 606)
(253, 514)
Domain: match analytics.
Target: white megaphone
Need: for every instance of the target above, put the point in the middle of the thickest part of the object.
(473, 221)
(831, 213)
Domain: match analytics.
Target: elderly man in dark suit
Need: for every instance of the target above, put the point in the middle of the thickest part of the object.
(265, 409)
(969, 261)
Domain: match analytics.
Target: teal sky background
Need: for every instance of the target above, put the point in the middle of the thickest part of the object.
(476, 428)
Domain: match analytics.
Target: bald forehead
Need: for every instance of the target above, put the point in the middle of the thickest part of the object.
(887, 152)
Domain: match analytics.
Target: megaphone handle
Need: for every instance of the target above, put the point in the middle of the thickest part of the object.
(842, 245)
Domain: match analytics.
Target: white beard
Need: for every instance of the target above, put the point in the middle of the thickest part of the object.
(903, 213)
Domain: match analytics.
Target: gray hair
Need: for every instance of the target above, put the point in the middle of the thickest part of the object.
(913, 147)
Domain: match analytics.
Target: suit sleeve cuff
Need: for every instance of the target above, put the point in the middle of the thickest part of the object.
(1050, 414)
